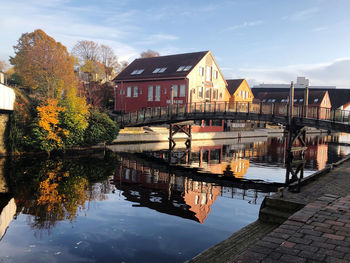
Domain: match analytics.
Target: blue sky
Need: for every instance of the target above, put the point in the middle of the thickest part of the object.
(261, 40)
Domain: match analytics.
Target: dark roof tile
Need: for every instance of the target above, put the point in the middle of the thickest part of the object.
(171, 63)
(233, 84)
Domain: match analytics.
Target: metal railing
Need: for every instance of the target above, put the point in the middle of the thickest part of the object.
(206, 109)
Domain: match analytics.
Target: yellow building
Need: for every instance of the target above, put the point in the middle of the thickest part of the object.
(239, 91)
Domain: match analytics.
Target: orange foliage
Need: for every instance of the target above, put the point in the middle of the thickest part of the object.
(44, 64)
(48, 120)
(49, 194)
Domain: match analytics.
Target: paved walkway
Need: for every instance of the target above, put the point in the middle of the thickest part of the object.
(336, 182)
(320, 232)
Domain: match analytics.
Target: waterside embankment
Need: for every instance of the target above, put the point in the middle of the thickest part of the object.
(315, 226)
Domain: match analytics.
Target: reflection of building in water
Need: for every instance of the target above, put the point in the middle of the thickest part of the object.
(316, 153)
(172, 194)
(166, 193)
(8, 211)
(200, 196)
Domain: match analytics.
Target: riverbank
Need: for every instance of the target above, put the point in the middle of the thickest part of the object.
(320, 191)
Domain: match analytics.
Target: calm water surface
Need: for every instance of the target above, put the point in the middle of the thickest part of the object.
(131, 207)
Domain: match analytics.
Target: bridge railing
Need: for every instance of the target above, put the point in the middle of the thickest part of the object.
(206, 108)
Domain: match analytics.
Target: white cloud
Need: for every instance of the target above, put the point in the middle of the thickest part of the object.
(244, 25)
(334, 73)
(157, 38)
(302, 14)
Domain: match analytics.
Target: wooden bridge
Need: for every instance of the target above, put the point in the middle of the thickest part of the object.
(309, 116)
(293, 116)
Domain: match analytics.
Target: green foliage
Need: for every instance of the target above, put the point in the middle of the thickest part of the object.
(101, 129)
(19, 124)
(74, 118)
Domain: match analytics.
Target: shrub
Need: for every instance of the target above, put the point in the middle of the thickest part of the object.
(100, 129)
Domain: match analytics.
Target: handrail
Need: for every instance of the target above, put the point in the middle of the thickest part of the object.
(209, 109)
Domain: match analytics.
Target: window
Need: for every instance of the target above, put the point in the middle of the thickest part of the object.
(243, 94)
(157, 97)
(137, 72)
(184, 68)
(140, 91)
(240, 93)
(128, 92)
(150, 93)
(301, 100)
(136, 92)
(315, 100)
(121, 92)
(215, 74)
(207, 93)
(208, 73)
(164, 90)
(220, 95)
(159, 70)
(182, 90)
(187, 68)
(201, 71)
(215, 94)
(200, 92)
(174, 89)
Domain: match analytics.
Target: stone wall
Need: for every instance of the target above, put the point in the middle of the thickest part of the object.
(4, 118)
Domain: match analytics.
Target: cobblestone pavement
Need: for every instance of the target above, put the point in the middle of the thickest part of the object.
(336, 182)
(320, 232)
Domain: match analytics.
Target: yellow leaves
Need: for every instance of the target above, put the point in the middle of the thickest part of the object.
(48, 120)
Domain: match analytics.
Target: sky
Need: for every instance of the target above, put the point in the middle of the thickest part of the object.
(264, 41)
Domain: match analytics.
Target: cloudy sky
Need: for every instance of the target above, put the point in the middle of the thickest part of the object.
(265, 41)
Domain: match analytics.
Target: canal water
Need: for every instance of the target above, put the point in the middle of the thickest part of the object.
(131, 206)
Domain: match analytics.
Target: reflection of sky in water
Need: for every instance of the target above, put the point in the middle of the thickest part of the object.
(114, 231)
(269, 174)
(117, 230)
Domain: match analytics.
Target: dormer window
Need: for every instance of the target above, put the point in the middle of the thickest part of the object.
(159, 70)
(187, 68)
(137, 72)
(184, 68)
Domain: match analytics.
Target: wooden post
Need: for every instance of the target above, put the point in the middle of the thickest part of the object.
(306, 100)
(291, 104)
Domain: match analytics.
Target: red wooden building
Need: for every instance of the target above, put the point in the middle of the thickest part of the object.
(167, 80)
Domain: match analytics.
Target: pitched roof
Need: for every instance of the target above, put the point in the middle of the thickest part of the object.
(338, 97)
(233, 84)
(172, 63)
(315, 96)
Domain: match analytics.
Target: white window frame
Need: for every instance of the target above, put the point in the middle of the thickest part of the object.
(150, 93)
(136, 92)
(157, 93)
(216, 74)
(128, 92)
(182, 90)
(201, 71)
(208, 73)
(207, 92)
(200, 92)
(174, 90)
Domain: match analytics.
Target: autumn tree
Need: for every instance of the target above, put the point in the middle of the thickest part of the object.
(43, 64)
(149, 54)
(86, 50)
(47, 133)
(74, 118)
(3, 65)
(109, 60)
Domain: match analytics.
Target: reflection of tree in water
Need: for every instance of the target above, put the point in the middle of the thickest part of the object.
(55, 190)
